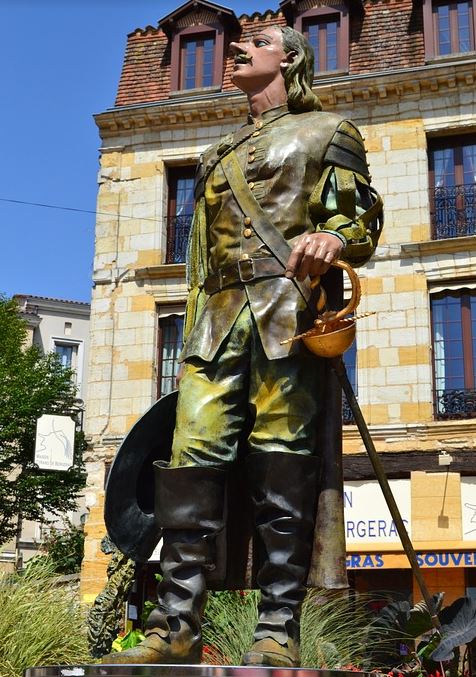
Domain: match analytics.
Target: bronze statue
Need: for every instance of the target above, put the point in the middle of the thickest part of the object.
(276, 203)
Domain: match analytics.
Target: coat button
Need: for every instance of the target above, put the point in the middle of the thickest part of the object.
(247, 233)
(251, 158)
(247, 220)
(251, 185)
(256, 133)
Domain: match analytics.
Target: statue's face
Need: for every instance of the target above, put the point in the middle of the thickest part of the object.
(259, 61)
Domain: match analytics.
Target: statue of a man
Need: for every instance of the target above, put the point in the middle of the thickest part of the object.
(277, 203)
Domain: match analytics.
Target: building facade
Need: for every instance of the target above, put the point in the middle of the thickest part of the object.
(60, 326)
(404, 71)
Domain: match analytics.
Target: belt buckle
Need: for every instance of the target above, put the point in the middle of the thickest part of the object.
(246, 274)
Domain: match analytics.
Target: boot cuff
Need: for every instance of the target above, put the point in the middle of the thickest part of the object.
(190, 497)
(283, 467)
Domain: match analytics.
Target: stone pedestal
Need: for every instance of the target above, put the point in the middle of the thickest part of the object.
(183, 671)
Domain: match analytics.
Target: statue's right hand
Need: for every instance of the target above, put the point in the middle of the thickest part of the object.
(313, 254)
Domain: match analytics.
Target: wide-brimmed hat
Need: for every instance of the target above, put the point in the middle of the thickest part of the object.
(129, 502)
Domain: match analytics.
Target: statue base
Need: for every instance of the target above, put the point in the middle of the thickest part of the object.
(184, 671)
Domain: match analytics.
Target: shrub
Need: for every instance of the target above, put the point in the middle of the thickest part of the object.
(228, 624)
(334, 629)
(41, 622)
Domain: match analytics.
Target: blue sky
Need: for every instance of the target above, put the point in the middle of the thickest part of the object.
(60, 63)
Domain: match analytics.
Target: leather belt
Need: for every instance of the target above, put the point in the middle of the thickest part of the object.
(244, 270)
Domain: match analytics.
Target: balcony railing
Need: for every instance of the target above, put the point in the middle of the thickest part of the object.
(347, 415)
(178, 229)
(455, 404)
(454, 211)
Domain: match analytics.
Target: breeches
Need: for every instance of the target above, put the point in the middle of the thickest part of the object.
(276, 400)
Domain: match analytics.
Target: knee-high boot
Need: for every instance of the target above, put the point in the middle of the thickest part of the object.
(189, 509)
(284, 493)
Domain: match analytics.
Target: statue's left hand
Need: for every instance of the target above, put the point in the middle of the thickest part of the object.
(313, 254)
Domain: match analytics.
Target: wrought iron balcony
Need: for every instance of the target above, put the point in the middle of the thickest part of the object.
(178, 229)
(455, 404)
(454, 211)
(347, 415)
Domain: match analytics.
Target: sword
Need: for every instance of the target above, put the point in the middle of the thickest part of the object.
(338, 365)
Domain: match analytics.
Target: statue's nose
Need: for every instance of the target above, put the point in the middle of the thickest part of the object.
(237, 48)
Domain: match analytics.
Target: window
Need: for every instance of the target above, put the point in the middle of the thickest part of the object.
(327, 29)
(198, 50)
(170, 345)
(197, 33)
(350, 361)
(323, 36)
(179, 212)
(449, 27)
(452, 163)
(68, 354)
(453, 319)
(197, 61)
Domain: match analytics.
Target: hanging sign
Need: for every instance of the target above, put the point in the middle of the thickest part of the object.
(54, 445)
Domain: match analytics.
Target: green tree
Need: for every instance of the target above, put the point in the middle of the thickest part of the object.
(31, 384)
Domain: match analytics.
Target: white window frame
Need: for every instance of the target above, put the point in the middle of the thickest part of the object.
(63, 341)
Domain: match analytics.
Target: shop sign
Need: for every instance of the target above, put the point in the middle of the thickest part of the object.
(54, 443)
(426, 560)
(367, 517)
(468, 508)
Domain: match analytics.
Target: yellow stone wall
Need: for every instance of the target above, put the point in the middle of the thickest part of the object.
(436, 507)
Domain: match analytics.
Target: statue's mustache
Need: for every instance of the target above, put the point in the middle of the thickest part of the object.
(243, 58)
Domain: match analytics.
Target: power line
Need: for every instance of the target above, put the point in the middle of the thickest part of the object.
(121, 216)
(76, 209)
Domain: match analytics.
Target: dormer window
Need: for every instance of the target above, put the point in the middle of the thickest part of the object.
(197, 61)
(327, 29)
(450, 27)
(324, 35)
(197, 32)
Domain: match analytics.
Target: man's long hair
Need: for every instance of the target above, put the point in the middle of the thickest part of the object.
(299, 75)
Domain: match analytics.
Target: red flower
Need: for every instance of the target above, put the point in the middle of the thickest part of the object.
(351, 668)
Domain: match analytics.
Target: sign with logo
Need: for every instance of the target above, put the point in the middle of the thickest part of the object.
(155, 557)
(367, 517)
(54, 445)
(468, 508)
(426, 560)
